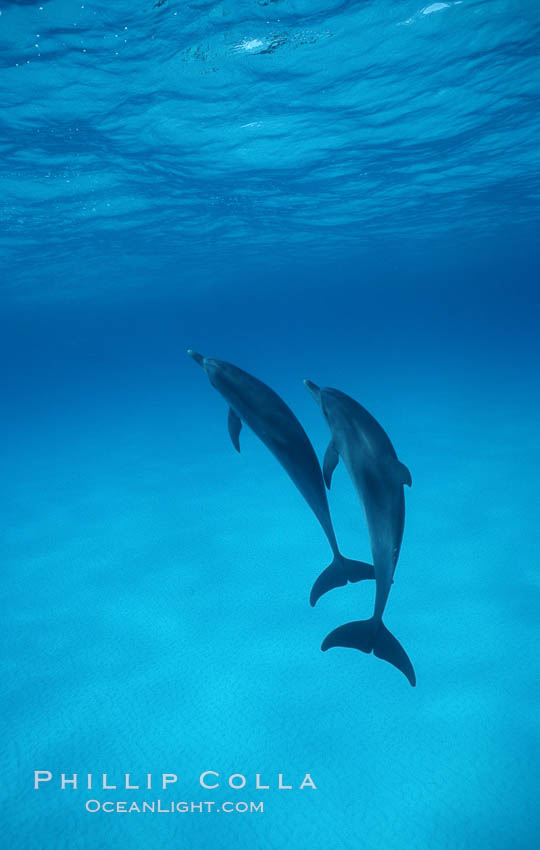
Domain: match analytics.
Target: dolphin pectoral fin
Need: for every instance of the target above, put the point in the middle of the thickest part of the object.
(404, 474)
(367, 637)
(235, 426)
(340, 571)
(331, 460)
(388, 648)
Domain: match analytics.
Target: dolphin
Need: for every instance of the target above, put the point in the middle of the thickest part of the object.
(257, 405)
(378, 477)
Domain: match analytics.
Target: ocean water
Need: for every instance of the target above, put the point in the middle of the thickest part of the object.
(342, 191)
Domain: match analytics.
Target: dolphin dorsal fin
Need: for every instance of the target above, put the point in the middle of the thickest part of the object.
(331, 460)
(404, 474)
(235, 426)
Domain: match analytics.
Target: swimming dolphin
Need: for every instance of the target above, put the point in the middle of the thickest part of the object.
(378, 477)
(257, 405)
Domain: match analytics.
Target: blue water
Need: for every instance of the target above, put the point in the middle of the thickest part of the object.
(341, 191)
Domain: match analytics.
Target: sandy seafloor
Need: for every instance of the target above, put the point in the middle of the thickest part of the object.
(156, 616)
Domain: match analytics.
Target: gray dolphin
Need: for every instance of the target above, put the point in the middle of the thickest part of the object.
(257, 405)
(378, 477)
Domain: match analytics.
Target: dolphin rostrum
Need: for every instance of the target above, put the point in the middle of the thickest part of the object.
(257, 405)
(378, 477)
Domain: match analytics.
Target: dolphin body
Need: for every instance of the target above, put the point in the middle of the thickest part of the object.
(378, 477)
(257, 405)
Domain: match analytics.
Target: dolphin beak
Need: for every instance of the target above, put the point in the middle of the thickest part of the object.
(314, 390)
(196, 356)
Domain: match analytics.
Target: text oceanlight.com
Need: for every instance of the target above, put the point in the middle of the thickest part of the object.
(164, 807)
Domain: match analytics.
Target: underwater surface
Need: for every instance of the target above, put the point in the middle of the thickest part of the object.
(342, 191)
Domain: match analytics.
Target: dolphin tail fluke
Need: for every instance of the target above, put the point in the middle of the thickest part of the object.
(340, 571)
(367, 637)
(388, 648)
